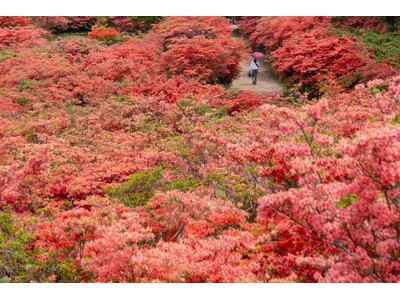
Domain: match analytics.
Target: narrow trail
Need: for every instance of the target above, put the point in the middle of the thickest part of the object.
(265, 83)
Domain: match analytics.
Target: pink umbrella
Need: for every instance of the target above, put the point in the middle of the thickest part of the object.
(257, 55)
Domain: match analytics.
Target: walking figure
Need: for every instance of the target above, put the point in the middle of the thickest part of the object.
(254, 66)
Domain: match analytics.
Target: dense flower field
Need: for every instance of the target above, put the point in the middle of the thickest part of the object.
(125, 156)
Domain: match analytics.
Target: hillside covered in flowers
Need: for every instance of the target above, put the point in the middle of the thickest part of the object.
(127, 156)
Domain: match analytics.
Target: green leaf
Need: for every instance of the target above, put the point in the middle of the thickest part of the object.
(5, 280)
(220, 193)
(396, 119)
(347, 200)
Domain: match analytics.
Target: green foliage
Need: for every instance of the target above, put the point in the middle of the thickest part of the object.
(31, 136)
(68, 271)
(184, 184)
(231, 92)
(351, 80)
(236, 33)
(69, 34)
(188, 107)
(16, 256)
(383, 45)
(27, 84)
(347, 200)
(220, 192)
(5, 279)
(139, 189)
(396, 119)
(123, 98)
(72, 111)
(191, 103)
(220, 112)
(378, 89)
(240, 189)
(391, 22)
(372, 120)
(23, 101)
(148, 21)
(6, 54)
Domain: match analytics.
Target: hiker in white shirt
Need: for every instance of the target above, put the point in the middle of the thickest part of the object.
(254, 66)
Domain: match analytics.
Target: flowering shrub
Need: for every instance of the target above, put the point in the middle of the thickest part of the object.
(315, 57)
(271, 32)
(108, 35)
(20, 37)
(205, 60)
(14, 21)
(244, 101)
(247, 25)
(200, 48)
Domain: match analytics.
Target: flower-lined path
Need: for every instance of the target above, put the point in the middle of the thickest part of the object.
(265, 82)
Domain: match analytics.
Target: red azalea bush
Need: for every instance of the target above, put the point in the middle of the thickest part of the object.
(174, 29)
(315, 57)
(104, 34)
(57, 24)
(21, 37)
(271, 32)
(200, 48)
(247, 25)
(204, 59)
(14, 21)
(244, 100)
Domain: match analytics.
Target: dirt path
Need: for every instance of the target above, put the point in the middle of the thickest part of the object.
(265, 83)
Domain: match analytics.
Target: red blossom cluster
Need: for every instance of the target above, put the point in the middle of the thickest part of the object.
(103, 33)
(271, 32)
(316, 57)
(21, 37)
(14, 21)
(200, 48)
(247, 25)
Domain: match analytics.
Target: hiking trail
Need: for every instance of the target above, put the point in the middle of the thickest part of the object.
(265, 82)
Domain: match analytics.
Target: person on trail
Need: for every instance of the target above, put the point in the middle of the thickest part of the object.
(254, 66)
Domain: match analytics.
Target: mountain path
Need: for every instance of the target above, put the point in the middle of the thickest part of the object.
(265, 82)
